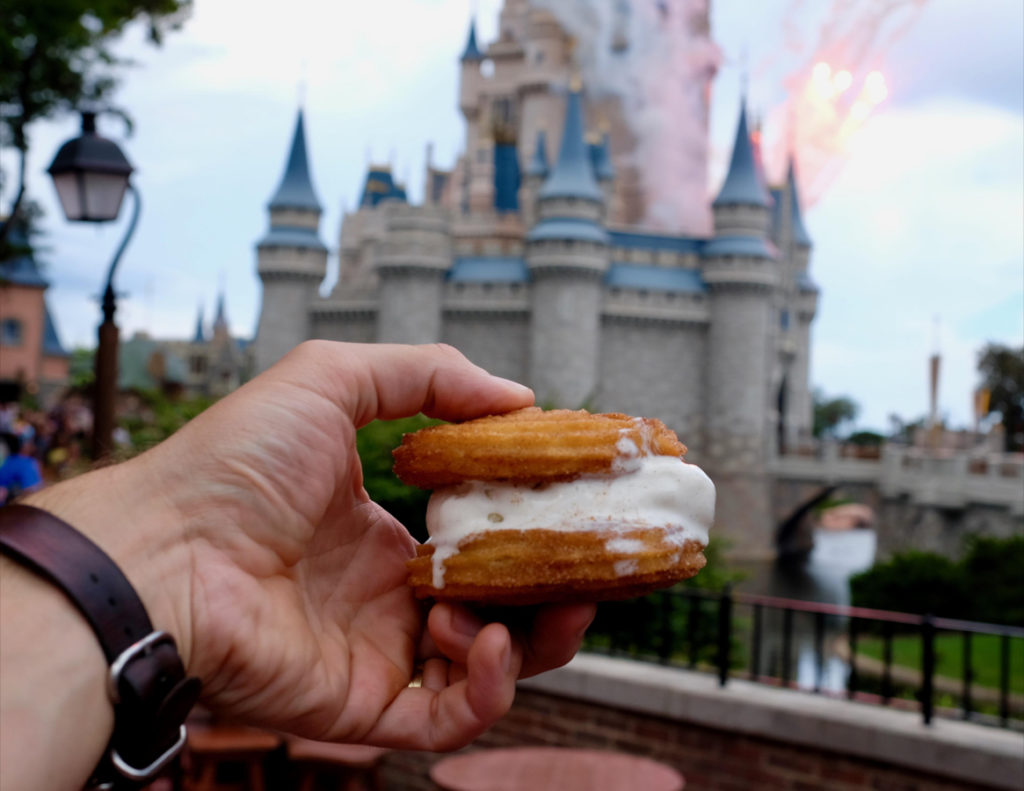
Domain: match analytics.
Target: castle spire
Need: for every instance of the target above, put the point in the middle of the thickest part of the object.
(600, 155)
(472, 51)
(296, 188)
(572, 176)
(200, 335)
(220, 319)
(539, 161)
(799, 231)
(742, 183)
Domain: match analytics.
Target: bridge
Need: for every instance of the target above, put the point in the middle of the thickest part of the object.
(923, 500)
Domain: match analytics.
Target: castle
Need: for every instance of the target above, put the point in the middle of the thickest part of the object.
(532, 260)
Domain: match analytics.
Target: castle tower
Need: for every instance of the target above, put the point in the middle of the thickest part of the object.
(741, 271)
(567, 254)
(290, 259)
(799, 312)
(414, 256)
(199, 336)
(220, 322)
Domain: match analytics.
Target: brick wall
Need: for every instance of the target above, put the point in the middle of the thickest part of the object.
(710, 760)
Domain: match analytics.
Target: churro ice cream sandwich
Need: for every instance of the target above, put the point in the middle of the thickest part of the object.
(536, 506)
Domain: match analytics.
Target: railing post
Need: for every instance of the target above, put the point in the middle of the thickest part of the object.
(724, 634)
(927, 668)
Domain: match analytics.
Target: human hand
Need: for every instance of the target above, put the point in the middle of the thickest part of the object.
(257, 547)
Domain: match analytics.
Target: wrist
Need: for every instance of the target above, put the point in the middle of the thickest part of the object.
(121, 510)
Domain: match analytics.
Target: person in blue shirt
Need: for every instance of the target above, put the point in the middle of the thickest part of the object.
(19, 472)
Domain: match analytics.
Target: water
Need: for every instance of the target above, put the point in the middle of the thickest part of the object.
(824, 577)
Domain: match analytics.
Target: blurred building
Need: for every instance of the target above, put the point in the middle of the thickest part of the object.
(210, 363)
(32, 359)
(530, 256)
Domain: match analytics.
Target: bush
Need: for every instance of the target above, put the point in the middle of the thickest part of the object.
(917, 582)
(984, 586)
(375, 442)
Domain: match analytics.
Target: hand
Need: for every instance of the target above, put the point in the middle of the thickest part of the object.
(285, 585)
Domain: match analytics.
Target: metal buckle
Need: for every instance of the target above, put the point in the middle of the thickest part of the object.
(118, 665)
(154, 768)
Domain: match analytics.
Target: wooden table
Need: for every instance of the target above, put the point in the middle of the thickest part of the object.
(352, 766)
(210, 746)
(553, 769)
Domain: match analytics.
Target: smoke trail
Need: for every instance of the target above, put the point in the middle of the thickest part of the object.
(836, 87)
(657, 58)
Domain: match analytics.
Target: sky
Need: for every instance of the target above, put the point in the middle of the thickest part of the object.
(918, 235)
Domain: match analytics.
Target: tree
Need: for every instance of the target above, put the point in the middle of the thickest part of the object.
(1002, 375)
(56, 55)
(830, 413)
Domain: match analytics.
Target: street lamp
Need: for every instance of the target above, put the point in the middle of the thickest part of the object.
(91, 176)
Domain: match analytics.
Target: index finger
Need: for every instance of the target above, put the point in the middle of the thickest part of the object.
(389, 381)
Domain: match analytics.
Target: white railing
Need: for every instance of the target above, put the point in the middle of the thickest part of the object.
(952, 480)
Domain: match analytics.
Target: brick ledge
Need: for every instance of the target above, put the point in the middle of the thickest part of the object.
(949, 748)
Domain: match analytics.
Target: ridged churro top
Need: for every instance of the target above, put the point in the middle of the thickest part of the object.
(532, 445)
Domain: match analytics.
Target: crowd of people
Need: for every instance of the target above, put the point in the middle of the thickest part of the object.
(38, 447)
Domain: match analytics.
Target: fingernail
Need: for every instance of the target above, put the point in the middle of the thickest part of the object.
(515, 385)
(465, 623)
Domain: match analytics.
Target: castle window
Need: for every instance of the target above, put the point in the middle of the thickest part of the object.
(784, 319)
(197, 364)
(12, 332)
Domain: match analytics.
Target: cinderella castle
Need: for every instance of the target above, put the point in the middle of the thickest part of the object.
(531, 256)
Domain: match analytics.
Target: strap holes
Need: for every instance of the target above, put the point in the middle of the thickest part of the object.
(128, 631)
(94, 578)
(111, 601)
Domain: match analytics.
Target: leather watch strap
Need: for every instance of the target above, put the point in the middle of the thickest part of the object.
(147, 682)
(91, 580)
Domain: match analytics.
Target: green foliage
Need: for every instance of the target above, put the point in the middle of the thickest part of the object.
(81, 369)
(1002, 375)
(831, 413)
(866, 439)
(160, 416)
(994, 567)
(375, 442)
(986, 585)
(57, 55)
(917, 582)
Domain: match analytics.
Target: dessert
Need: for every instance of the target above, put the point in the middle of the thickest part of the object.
(562, 505)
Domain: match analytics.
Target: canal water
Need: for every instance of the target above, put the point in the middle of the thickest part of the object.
(823, 577)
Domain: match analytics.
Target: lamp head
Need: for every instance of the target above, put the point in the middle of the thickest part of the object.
(91, 175)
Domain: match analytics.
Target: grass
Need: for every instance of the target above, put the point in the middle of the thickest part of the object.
(986, 655)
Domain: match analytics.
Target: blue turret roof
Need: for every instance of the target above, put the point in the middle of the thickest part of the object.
(739, 246)
(200, 334)
(742, 185)
(52, 347)
(296, 188)
(655, 278)
(472, 51)
(380, 186)
(572, 176)
(289, 236)
(800, 235)
(539, 161)
(493, 269)
(21, 270)
(600, 158)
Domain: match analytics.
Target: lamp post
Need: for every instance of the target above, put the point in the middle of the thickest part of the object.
(91, 176)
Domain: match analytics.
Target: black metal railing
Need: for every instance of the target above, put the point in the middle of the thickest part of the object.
(763, 638)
